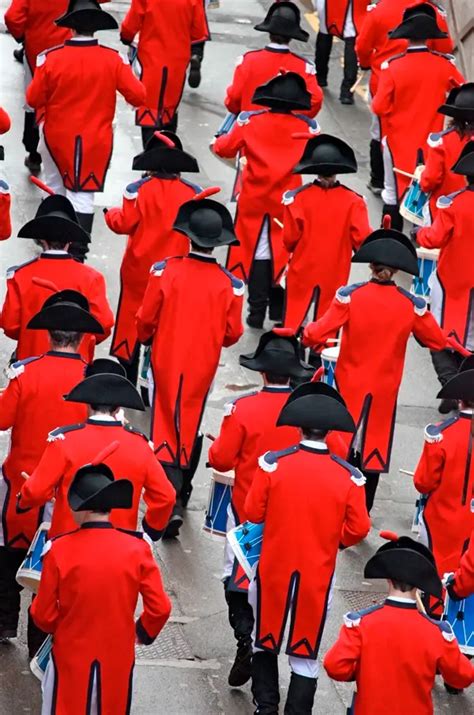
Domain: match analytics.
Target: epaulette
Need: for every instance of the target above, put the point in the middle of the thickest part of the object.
(344, 293)
(41, 57)
(195, 187)
(289, 196)
(158, 268)
(371, 7)
(444, 627)
(131, 190)
(310, 67)
(13, 269)
(229, 407)
(60, 536)
(4, 188)
(130, 428)
(244, 117)
(419, 304)
(386, 63)
(59, 432)
(313, 126)
(353, 618)
(238, 286)
(434, 432)
(356, 475)
(436, 138)
(269, 461)
(17, 368)
(137, 534)
(449, 57)
(444, 202)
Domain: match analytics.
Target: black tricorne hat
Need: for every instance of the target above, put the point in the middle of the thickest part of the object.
(459, 387)
(277, 352)
(164, 152)
(105, 365)
(86, 16)
(465, 162)
(405, 560)
(313, 405)
(419, 23)
(283, 18)
(55, 220)
(460, 103)
(66, 310)
(106, 389)
(206, 222)
(95, 489)
(326, 155)
(388, 247)
(286, 91)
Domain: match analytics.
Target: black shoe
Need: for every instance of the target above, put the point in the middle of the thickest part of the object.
(19, 55)
(446, 406)
(255, 321)
(7, 633)
(174, 525)
(346, 97)
(374, 188)
(33, 163)
(194, 78)
(323, 82)
(453, 691)
(300, 697)
(241, 671)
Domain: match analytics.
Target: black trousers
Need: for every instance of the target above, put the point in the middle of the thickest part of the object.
(240, 615)
(323, 53)
(372, 480)
(262, 293)
(131, 368)
(147, 132)
(446, 364)
(30, 133)
(197, 48)
(181, 479)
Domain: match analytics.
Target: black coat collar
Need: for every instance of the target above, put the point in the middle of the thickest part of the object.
(199, 257)
(59, 354)
(97, 525)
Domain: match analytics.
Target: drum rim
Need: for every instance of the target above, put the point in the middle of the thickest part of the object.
(227, 478)
(331, 354)
(430, 253)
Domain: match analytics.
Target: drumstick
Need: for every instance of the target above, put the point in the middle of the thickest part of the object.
(406, 471)
(357, 82)
(419, 602)
(210, 436)
(333, 340)
(404, 173)
(278, 222)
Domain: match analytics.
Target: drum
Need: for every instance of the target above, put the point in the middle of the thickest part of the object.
(40, 661)
(329, 359)
(419, 506)
(246, 543)
(427, 260)
(227, 124)
(413, 203)
(29, 573)
(215, 523)
(144, 376)
(460, 616)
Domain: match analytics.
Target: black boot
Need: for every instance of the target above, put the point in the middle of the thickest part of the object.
(376, 167)
(147, 133)
(190, 471)
(321, 58)
(350, 71)
(446, 364)
(19, 55)
(197, 54)
(80, 250)
(300, 696)
(260, 283)
(131, 366)
(395, 216)
(175, 476)
(10, 562)
(30, 142)
(265, 690)
(241, 621)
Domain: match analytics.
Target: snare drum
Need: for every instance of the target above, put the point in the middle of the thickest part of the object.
(427, 261)
(413, 203)
(419, 506)
(40, 661)
(215, 523)
(329, 359)
(246, 543)
(460, 616)
(29, 573)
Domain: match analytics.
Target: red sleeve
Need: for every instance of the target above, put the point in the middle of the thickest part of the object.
(124, 220)
(464, 576)
(158, 495)
(229, 144)
(427, 331)
(359, 223)
(293, 226)
(11, 311)
(366, 41)
(225, 450)
(199, 27)
(45, 607)
(429, 471)
(156, 604)
(9, 399)
(16, 18)
(316, 94)
(454, 667)
(382, 103)
(5, 122)
(133, 20)
(233, 99)
(435, 169)
(334, 318)
(357, 521)
(439, 233)
(100, 308)
(257, 498)
(40, 487)
(36, 93)
(342, 660)
(234, 328)
(128, 85)
(5, 205)
(149, 311)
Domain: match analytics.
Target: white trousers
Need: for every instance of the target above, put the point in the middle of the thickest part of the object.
(389, 193)
(47, 689)
(228, 553)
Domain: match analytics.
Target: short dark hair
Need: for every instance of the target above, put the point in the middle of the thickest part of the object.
(106, 409)
(57, 244)
(279, 39)
(315, 434)
(65, 338)
(276, 379)
(201, 249)
(463, 127)
(402, 586)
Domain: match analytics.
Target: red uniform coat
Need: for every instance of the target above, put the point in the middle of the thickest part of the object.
(464, 576)
(446, 474)
(452, 233)
(437, 178)
(394, 652)
(5, 200)
(191, 310)
(257, 67)
(88, 594)
(336, 13)
(321, 228)
(377, 320)
(311, 502)
(149, 209)
(374, 46)
(167, 28)
(74, 91)
(25, 298)
(412, 86)
(71, 447)
(32, 405)
(271, 153)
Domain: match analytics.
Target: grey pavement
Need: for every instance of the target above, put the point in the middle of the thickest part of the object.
(185, 672)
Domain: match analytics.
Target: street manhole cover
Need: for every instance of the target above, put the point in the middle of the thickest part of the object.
(170, 645)
(358, 600)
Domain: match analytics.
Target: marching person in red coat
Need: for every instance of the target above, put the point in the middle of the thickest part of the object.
(5, 199)
(56, 228)
(411, 88)
(452, 290)
(271, 152)
(148, 211)
(90, 584)
(392, 651)
(461, 582)
(185, 353)
(311, 503)
(257, 67)
(167, 29)
(126, 450)
(323, 223)
(248, 430)
(74, 92)
(377, 318)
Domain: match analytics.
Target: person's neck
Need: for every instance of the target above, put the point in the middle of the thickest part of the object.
(404, 595)
(60, 349)
(267, 383)
(93, 517)
(104, 416)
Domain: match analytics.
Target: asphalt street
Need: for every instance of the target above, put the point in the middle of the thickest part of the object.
(185, 672)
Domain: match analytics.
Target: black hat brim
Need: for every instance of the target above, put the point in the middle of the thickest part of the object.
(467, 364)
(266, 100)
(465, 163)
(407, 566)
(342, 161)
(92, 19)
(106, 389)
(278, 363)
(304, 167)
(227, 236)
(107, 366)
(165, 159)
(315, 388)
(459, 387)
(463, 113)
(319, 412)
(388, 248)
(418, 27)
(65, 316)
(54, 228)
(282, 28)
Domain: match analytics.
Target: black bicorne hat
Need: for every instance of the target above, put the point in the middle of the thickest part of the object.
(283, 18)
(388, 247)
(66, 310)
(106, 389)
(419, 23)
(55, 220)
(286, 91)
(164, 152)
(105, 365)
(465, 162)
(314, 405)
(460, 103)
(86, 16)
(467, 364)
(277, 352)
(95, 489)
(206, 222)
(405, 560)
(459, 387)
(326, 155)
